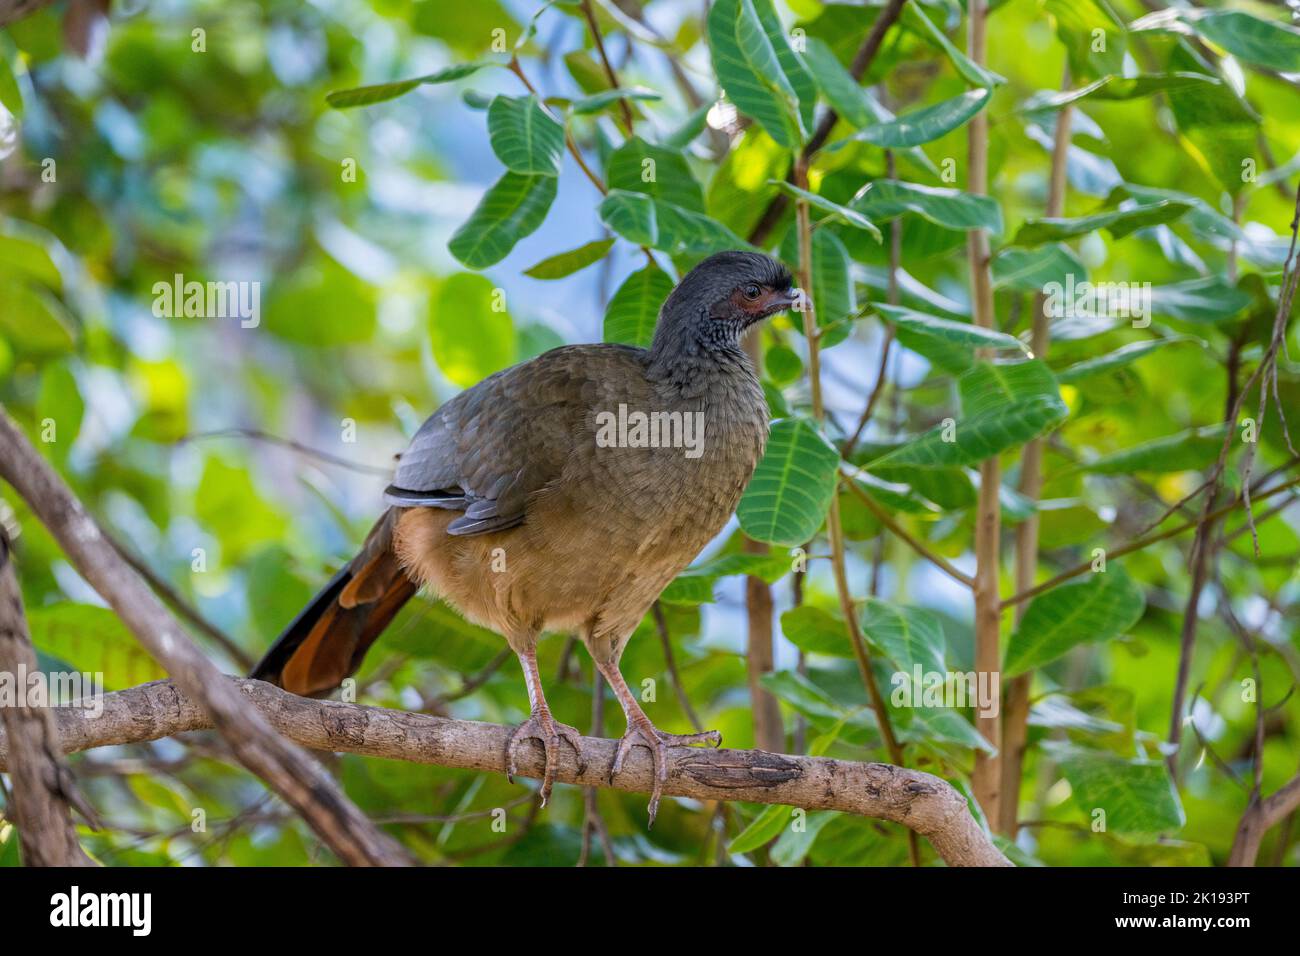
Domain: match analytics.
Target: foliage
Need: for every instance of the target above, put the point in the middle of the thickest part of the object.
(425, 200)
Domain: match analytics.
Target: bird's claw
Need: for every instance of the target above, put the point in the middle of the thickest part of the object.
(657, 742)
(549, 731)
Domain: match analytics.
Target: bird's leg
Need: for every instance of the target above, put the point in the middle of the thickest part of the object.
(541, 726)
(641, 732)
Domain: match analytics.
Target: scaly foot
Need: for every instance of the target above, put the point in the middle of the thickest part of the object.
(542, 726)
(657, 742)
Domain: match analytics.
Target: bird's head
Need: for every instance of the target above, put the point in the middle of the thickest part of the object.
(720, 298)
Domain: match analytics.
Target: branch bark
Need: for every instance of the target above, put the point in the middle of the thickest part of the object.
(43, 787)
(857, 69)
(986, 779)
(1015, 723)
(834, 527)
(1137, 544)
(924, 803)
(299, 779)
(12, 11)
(1259, 818)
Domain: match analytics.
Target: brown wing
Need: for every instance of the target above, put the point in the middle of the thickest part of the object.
(490, 448)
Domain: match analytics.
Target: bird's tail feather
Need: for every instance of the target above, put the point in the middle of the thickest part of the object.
(326, 642)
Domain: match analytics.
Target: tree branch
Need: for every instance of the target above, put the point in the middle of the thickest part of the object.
(1137, 544)
(861, 63)
(986, 779)
(44, 788)
(920, 801)
(1259, 818)
(938, 560)
(834, 526)
(610, 73)
(12, 11)
(1015, 722)
(299, 779)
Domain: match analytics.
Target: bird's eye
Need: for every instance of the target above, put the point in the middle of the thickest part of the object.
(752, 291)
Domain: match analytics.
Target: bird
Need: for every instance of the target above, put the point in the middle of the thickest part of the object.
(556, 496)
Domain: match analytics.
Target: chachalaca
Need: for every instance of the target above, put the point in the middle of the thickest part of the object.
(512, 505)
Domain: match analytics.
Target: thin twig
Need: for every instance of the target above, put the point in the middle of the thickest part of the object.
(857, 69)
(302, 449)
(1137, 544)
(938, 560)
(610, 72)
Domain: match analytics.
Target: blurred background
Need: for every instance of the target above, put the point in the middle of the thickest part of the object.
(243, 465)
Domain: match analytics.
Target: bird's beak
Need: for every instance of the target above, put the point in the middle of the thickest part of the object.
(787, 299)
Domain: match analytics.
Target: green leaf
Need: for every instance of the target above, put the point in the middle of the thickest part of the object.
(1122, 356)
(530, 28)
(783, 365)
(567, 263)
(832, 292)
(1137, 796)
(321, 304)
(916, 329)
(1121, 88)
(33, 319)
(436, 632)
(661, 225)
(525, 137)
(695, 584)
(94, 640)
(366, 95)
(658, 171)
(854, 104)
(1002, 406)
(1059, 712)
(230, 505)
(689, 589)
(765, 827)
(1184, 451)
(849, 217)
(908, 636)
(804, 696)
(794, 844)
(1267, 43)
(1094, 37)
(59, 401)
(11, 97)
(1097, 608)
(750, 72)
(1212, 299)
(846, 96)
(1119, 223)
(816, 631)
(1029, 270)
(886, 199)
(1218, 127)
(633, 310)
(895, 496)
(787, 498)
(25, 252)
(792, 65)
(928, 123)
(917, 21)
(471, 336)
(929, 724)
(605, 98)
(513, 208)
